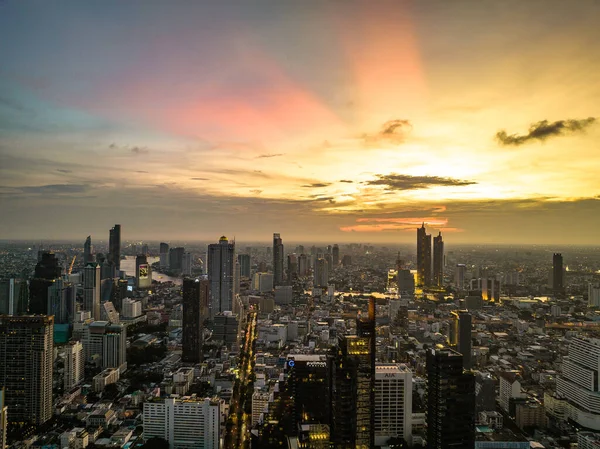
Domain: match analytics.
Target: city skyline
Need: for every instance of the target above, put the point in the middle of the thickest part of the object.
(353, 124)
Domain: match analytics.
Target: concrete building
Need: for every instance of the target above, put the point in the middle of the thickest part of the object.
(262, 282)
(91, 289)
(510, 388)
(393, 403)
(460, 274)
(163, 255)
(185, 422)
(106, 377)
(277, 260)
(594, 295)
(131, 308)
(226, 328)
(220, 276)
(74, 364)
(107, 342)
(186, 264)
(283, 295)
(14, 297)
(260, 401)
(109, 313)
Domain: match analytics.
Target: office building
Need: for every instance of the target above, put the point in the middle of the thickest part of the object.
(245, 265)
(226, 328)
(87, 251)
(292, 267)
(91, 289)
(74, 364)
(509, 389)
(187, 263)
(163, 255)
(47, 270)
(114, 247)
(460, 335)
(131, 308)
(277, 260)
(594, 294)
(3, 420)
(26, 345)
(145, 249)
(220, 276)
(185, 422)
(406, 282)
(303, 267)
(321, 273)
(109, 313)
(558, 288)
(450, 401)
(335, 254)
(262, 282)
(14, 297)
(393, 403)
(460, 274)
(106, 343)
(176, 258)
(438, 261)
(485, 392)
(260, 401)
(143, 272)
(307, 379)
(423, 257)
(106, 377)
(579, 382)
(195, 312)
(283, 295)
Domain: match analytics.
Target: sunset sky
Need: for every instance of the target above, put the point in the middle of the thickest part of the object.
(323, 120)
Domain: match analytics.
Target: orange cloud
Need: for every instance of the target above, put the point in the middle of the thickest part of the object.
(413, 221)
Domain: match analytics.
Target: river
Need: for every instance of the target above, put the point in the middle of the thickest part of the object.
(128, 266)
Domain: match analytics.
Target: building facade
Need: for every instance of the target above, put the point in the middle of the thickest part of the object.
(277, 260)
(195, 311)
(393, 403)
(220, 276)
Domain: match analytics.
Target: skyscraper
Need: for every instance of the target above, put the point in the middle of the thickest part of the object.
(164, 255)
(114, 247)
(459, 276)
(87, 250)
(26, 370)
(220, 276)
(107, 341)
(423, 257)
(74, 364)
(244, 260)
(61, 301)
(557, 275)
(186, 264)
(3, 420)
(14, 297)
(335, 252)
(438, 261)
(277, 260)
(176, 258)
(46, 271)
(321, 274)
(302, 265)
(91, 289)
(195, 311)
(450, 401)
(460, 336)
(393, 403)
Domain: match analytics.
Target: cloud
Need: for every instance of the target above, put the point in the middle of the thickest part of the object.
(398, 224)
(267, 155)
(394, 131)
(543, 130)
(49, 189)
(62, 170)
(200, 179)
(315, 185)
(139, 150)
(136, 149)
(141, 171)
(346, 180)
(256, 191)
(395, 181)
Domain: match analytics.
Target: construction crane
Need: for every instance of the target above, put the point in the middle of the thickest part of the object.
(71, 267)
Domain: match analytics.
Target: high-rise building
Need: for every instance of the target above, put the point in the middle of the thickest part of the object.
(106, 341)
(557, 275)
(321, 273)
(3, 420)
(579, 382)
(114, 247)
(460, 335)
(87, 250)
(145, 249)
(176, 258)
(195, 311)
(26, 345)
(292, 267)
(226, 325)
(185, 423)
(186, 264)
(164, 255)
(303, 265)
(450, 401)
(406, 282)
(438, 261)
(244, 260)
(220, 276)
(485, 392)
(594, 294)
(143, 272)
(14, 297)
(460, 275)
(393, 403)
(109, 313)
(277, 260)
(335, 253)
(307, 379)
(46, 271)
(262, 282)
(74, 364)
(61, 301)
(423, 257)
(91, 289)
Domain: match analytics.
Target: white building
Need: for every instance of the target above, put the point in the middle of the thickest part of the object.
(109, 313)
(579, 382)
(106, 377)
(131, 308)
(260, 400)
(594, 295)
(393, 403)
(107, 341)
(510, 388)
(185, 422)
(74, 364)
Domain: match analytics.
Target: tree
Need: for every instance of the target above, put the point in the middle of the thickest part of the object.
(156, 443)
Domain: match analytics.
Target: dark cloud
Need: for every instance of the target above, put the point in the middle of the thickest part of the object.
(256, 191)
(394, 131)
(141, 171)
(112, 146)
(267, 155)
(199, 179)
(139, 150)
(543, 130)
(62, 170)
(317, 185)
(136, 149)
(395, 181)
(49, 189)
(346, 180)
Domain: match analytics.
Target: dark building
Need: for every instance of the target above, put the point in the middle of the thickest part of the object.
(14, 297)
(353, 389)
(450, 401)
(557, 275)
(195, 311)
(308, 379)
(114, 247)
(347, 260)
(277, 260)
(46, 271)
(460, 335)
(244, 261)
(423, 257)
(335, 253)
(87, 250)
(226, 328)
(26, 347)
(438, 261)
(176, 258)
(292, 267)
(485, 392)
(61, 301)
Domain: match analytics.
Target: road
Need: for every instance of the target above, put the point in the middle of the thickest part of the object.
(238, 437)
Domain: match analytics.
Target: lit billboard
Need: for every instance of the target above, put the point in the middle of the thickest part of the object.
(143, 271)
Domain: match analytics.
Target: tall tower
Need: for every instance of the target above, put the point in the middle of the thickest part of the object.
(114, 246)
(277, 260)
(438, 261)
(74, 364)
(46, 271)
(450, 401)
(220, 276)
(26, 370)
(393, 402)
(335, 252)
(91, 289)
(244, 260)
(164, 255)
(460, 336)
(423, 257)
(557, 275)
(195, 308)
(87, 250)
(14, 297)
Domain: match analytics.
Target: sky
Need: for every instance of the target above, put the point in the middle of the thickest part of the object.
(339, 120)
